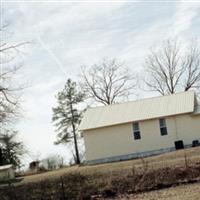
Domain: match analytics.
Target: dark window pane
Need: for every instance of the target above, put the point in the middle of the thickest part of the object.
(137, 135)
(136, 131)
(163, 127)
(163, 131)
(179, 144)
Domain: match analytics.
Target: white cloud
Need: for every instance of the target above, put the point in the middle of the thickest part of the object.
(46, 86)
(186, 12)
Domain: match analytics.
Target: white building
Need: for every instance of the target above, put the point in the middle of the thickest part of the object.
(6, 172)
(141, 128)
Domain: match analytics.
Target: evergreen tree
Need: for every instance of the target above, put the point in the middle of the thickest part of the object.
(11, 149)
(66, 115)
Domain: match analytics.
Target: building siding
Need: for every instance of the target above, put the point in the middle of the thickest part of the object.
(144, 109)
(7, 174)
(118, 140)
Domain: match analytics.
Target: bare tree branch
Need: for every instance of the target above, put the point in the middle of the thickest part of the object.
(192, 66)
(170, 69)
(4, 47)
(9, 90)
(108, 82)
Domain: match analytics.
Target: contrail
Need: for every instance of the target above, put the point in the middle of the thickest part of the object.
(60, 65)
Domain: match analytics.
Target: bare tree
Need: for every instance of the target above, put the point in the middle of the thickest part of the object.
(9, 98)
(9, 91)
(52, 162)
(170, 68)
(108, 82)
(192, 68)
(164, 67)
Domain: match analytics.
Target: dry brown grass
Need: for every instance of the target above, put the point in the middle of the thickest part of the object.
(172, 159)
(111, 180)
(183, 192)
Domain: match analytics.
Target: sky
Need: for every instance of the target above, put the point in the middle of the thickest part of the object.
(67, 35)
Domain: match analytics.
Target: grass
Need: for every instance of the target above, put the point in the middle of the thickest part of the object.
(172, 159)
(133, 178)
(183, 192)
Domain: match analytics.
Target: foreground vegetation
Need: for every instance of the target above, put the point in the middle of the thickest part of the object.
(114, 180)
(183, 192)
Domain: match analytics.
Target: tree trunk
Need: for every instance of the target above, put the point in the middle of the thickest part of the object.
(74, 135)
(75, 144)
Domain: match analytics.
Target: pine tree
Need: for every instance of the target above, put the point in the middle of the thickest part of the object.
(11, 149)
(66, 115)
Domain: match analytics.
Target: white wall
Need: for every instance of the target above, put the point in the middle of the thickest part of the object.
(118, 140)
(7, 174)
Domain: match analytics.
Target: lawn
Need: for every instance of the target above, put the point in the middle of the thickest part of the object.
(172, 159)
(156, 177)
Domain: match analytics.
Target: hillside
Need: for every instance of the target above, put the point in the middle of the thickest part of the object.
(171, 159)
(114, 180)
(183, 192)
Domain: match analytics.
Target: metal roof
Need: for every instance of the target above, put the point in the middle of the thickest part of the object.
(4, 167)
(139, 110)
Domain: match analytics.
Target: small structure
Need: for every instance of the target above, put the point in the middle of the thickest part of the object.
(141, 128)
(6, 172)
(34, 166)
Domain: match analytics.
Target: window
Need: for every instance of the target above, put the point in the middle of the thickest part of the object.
(179, 144)
(163, 127)
(136, 131)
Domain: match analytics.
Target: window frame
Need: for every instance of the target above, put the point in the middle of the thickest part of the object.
(136, 131)
(163, 127)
